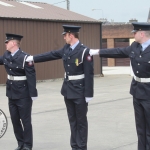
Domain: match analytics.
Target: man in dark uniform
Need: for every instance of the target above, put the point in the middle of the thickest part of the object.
(139, 54)
(20, 90)
(77, 87)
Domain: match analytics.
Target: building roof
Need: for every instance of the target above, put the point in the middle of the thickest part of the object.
(39, 10)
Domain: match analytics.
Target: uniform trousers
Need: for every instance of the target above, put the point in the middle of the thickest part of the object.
(142, 120)
(77, 115)
(20, 112)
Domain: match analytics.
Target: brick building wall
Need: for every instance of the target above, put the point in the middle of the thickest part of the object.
(112, 32)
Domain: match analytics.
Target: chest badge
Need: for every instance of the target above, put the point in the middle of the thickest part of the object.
(77, 62)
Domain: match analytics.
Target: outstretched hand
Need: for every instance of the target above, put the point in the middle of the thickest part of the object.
(29, 59)
(94, 52)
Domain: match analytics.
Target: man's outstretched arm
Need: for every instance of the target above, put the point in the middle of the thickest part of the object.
(48, 56)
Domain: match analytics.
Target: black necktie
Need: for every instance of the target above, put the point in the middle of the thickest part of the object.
(10, 57)
(70, 50)
(141, 49)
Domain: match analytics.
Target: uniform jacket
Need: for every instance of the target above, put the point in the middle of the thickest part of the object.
(74, 88)
(140, 62)
(14, 66)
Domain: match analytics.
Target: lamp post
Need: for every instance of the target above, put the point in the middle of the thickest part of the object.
(68, 3)
(99, 9)
(101, 68)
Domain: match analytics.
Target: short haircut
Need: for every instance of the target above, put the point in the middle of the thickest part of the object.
(18, 42)
(147, 33)
(76, 34)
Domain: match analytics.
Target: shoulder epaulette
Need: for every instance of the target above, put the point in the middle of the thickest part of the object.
(83, 46)
(24, 53)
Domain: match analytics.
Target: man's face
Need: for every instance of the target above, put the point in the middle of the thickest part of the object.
(138, 36)
(67, 38)
(10, 44)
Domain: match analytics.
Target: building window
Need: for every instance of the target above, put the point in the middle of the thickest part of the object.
(104, 45)
(121, 43)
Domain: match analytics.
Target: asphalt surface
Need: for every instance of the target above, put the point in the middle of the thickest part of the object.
(110, 115)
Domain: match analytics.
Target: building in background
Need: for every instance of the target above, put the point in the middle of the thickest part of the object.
(41, 26)
(117, 34)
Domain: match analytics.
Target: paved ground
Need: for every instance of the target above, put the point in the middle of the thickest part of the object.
(110, 115)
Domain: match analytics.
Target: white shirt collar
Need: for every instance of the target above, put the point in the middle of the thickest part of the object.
(12, 54)
(145, 44)
(74, 46)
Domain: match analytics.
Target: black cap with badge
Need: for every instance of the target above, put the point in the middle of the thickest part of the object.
(13, 37)
(70, 29)
(139, 26)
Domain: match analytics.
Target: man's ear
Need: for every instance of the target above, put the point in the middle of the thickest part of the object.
(71, 35)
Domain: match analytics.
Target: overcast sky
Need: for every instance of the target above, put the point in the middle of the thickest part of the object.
(117, 10)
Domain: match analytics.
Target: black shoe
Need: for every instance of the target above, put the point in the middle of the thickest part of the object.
(26, 148)
(19, 148)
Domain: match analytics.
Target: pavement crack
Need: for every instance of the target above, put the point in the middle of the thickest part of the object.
(54, 110)
(109, 101)
(124, 145)
(60, 109)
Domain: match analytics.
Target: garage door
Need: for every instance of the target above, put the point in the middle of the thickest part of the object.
(121, 61)
(104, 45)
